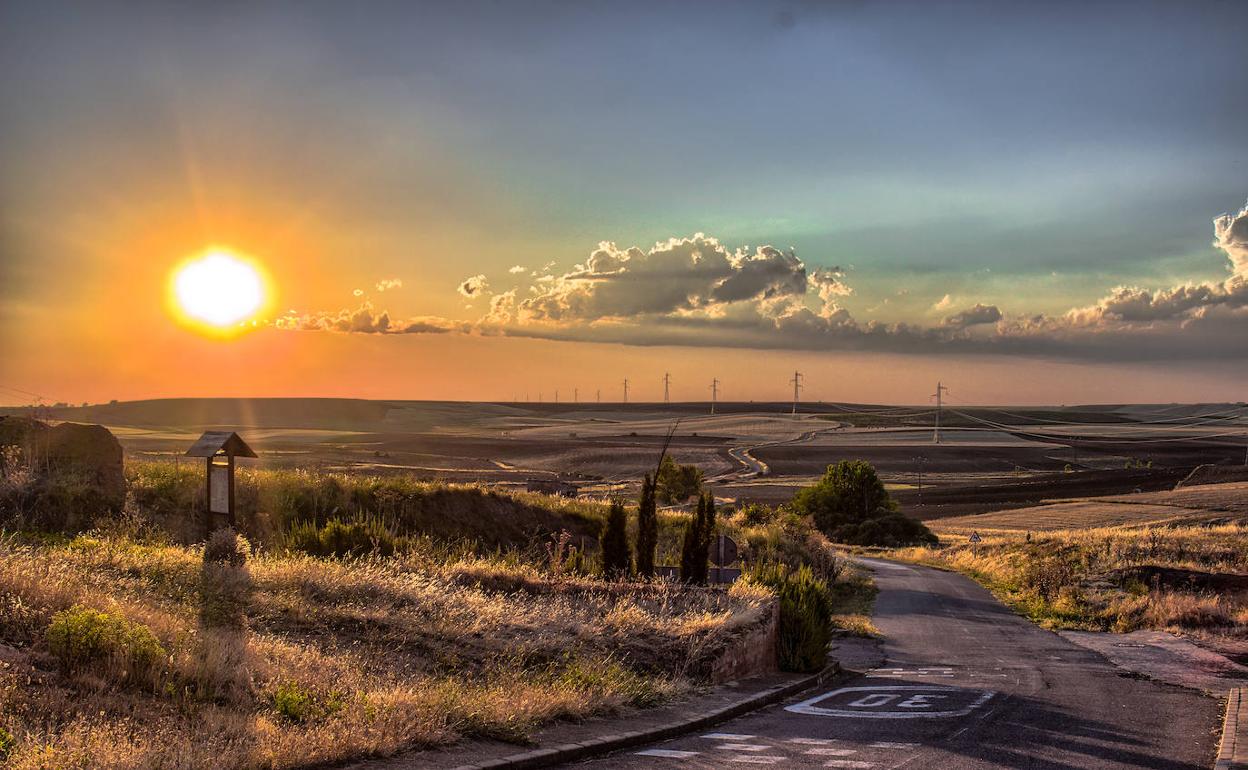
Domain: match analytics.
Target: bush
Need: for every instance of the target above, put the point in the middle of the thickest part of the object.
(677, 483)
(805, 624)
(82, 638)
(7, 744)
(300, 705)
(850, 505)
(344, 538)
(696, 543)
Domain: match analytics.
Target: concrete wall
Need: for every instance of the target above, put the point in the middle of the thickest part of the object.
(752, 654)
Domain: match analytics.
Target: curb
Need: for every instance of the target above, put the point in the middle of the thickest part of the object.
(572, 752)
(1233, 750)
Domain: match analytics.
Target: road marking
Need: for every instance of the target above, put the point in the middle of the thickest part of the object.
(669, 753)
(728, 737)
(847, 763)
(894, 702)
(742, 747)
(757, 760)
(892, 745)
(830, 752)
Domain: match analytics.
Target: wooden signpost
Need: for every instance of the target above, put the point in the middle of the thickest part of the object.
(219, 448)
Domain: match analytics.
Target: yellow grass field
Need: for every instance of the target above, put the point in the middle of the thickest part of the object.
(1192, 505)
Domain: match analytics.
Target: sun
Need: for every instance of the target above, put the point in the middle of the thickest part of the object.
(218, 290)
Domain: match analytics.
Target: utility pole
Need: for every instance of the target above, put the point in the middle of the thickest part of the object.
(576, 395)
(940, 391)
(667, 386)
(626, 390)
(920, 460)
(715, 397)
(556, 395)
(796, 382)
(598, 395)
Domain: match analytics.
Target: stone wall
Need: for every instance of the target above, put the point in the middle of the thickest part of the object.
(752, 654)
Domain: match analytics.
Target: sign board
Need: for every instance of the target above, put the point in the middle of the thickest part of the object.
(975, 538)
(723, 551)
(219, 483)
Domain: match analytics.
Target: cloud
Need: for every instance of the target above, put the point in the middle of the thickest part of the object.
(366, 320)
(697, 292)
(517, 269)
(1231, 235)
(473, 286)
(387, 284)
(357, 292)
(977, 315)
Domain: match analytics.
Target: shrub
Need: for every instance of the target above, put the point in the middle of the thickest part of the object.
(805, 624)
(344, 538)
(677, 483)
(82, 638)
(225, 546)
(616, 560)
(300, 704)
(7, 744)
(850, 505)
(1046, 576)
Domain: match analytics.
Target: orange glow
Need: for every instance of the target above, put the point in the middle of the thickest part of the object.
(219, 292)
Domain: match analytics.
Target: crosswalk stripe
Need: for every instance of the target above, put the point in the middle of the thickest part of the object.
(669, 753)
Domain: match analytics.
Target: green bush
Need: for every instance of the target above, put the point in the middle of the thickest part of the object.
(300, 705)
(850, 505)
(82, 638)
(677, 483)
(7, 744)
(344, 538)
(805, 625)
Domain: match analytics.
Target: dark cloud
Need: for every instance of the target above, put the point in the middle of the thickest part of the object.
(366, 320)
(973, 316)
(474, 286)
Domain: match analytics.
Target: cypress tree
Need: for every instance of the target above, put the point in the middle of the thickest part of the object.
(647, 528)
(693, 549)
(616, 560)
(708, 536)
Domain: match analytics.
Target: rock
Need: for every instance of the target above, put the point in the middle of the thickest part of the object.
(75, 465)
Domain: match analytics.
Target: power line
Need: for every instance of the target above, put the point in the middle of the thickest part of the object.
(667, 384)
(940, 389)
(796, 382)
(626, 390)
(714, 393)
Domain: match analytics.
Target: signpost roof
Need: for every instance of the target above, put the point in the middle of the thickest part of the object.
(216, 442)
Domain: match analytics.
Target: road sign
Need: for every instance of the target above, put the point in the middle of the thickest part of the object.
(975, 538)
(723, 551)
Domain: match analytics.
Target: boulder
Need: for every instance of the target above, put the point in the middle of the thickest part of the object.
(78, 469)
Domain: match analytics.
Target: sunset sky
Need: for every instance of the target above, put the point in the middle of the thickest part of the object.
(1032, 202)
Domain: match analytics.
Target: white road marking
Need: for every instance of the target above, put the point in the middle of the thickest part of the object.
(892, 745)
(669, 753)
(830, 752)
(728, 737)
(742, 747)
(847, 763)
(757, 760)
(914, 701)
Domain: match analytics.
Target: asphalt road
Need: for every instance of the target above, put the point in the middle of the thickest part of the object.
(965, 684)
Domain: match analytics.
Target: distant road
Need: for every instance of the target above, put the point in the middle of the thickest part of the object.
(966, 684)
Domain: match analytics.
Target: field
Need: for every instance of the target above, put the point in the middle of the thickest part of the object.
(988, 458)
(1210, 504)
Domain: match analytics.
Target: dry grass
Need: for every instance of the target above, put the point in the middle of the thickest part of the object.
(1189, 505)
(1186, 579)
(339, 659)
